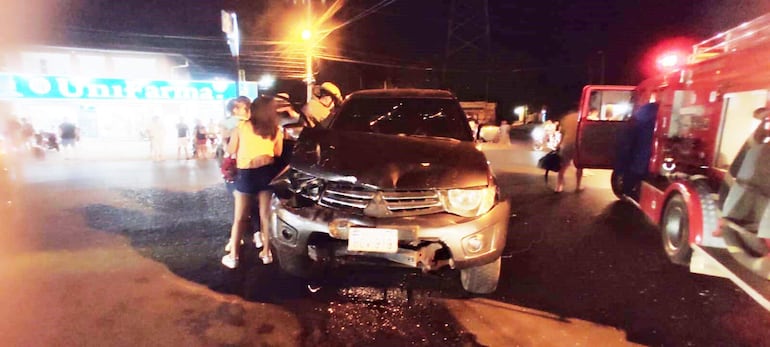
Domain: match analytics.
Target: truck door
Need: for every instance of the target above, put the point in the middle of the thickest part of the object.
(603, 112)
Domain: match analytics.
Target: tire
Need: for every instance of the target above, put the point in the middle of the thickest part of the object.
(481, 279)
(616, 181)
(294, 264)
(675, 230)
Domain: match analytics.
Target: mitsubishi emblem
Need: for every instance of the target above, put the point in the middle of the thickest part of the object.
(377, 207)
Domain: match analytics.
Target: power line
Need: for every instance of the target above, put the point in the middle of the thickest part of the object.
(373, 9)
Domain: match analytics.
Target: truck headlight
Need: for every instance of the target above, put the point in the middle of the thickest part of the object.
(469, 202)
(305, 184)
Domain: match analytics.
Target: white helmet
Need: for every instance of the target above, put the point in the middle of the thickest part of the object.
(328, 88)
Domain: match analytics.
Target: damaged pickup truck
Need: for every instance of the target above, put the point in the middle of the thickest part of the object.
(395, 179)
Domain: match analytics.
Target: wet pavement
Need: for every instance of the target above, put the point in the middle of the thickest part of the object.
(127, 252)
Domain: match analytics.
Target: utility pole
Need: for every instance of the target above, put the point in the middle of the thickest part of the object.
(468, 42)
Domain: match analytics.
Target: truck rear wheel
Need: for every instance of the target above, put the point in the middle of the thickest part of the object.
(675, 229)
(481, 279)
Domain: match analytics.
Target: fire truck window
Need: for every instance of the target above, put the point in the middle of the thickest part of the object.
(679, 124)
(609, 105)
(738, 123)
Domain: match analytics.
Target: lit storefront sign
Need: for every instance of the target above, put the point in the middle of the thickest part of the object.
(56, 87)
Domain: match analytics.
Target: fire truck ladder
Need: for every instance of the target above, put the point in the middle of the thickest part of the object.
(745, 35)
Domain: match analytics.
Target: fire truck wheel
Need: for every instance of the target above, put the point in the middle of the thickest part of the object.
(616, 181)
(675, 227)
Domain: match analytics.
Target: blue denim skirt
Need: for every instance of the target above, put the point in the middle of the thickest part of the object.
(253, 181)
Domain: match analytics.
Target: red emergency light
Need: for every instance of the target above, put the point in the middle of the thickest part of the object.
(670, 61)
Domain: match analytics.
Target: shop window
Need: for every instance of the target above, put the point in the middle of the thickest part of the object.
(738, 123)
(681, 123)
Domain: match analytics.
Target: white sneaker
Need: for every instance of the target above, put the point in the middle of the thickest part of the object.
(229, 261)
(258, 239)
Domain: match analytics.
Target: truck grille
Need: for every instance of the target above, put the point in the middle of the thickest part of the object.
(398, 202)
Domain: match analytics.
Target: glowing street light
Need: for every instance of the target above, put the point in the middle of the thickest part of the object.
(306, 34)
(266, 82)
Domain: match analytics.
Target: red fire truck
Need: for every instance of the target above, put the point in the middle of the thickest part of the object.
(707, 112)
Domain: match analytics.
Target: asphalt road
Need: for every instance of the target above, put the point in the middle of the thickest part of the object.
(580, 268)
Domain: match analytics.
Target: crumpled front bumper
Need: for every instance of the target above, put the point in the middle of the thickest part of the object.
(421, 238)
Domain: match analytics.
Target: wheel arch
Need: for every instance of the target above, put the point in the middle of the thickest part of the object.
(702, 213)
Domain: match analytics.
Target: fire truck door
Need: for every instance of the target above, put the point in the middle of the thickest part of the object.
(604, 112)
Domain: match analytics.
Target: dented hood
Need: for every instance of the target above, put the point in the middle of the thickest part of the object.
(390, 161)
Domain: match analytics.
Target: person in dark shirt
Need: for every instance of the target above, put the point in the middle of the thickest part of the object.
(69, 134)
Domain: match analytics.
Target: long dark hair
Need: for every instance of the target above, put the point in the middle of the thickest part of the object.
(264, 119)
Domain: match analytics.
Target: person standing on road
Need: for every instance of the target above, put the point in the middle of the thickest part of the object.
(69, 134)
(182, 139)
(504, 136)
(200, 140)
(238, 110)
(567, 148)
(157, 134)
(256, 143)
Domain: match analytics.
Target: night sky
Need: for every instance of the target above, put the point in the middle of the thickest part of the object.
(541, 52)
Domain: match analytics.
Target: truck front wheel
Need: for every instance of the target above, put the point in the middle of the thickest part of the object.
(298, 265)
(481, 279)
(675, 229)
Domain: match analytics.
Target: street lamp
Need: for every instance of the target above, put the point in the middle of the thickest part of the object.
(306, 34)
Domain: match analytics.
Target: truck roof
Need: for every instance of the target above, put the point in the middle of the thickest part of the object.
(746, 35)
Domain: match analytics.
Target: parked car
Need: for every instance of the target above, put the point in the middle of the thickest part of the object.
(394, 180)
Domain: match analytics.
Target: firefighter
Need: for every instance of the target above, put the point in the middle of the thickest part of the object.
(322, 103)
(325, 98)
(748, 200)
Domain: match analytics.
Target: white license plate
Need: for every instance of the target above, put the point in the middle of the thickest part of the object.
(373, 240)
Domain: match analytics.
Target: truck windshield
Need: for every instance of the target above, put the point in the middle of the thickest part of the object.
(404, 116)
